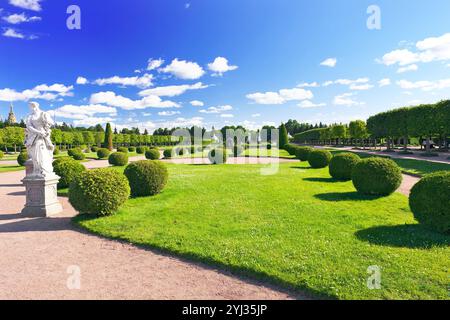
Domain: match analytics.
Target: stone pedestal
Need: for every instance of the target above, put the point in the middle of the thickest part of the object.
(41, 194)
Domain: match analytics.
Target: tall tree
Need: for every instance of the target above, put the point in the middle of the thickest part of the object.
(284, 140)
(108, 137)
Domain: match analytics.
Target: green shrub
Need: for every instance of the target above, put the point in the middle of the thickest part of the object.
(1, 154)
(99, 191)
(22, 158)
(131, 149)
(430, 201)
(146, 178)
(376, 176)
(167, 153)
(73, 151)
(94, 149)
(122, 149)
(302, 153)
(103, 153)
(78, 155)
(341, 165)
(55, 151)
(141, 150)
(319, 158)
(152, 154)
(217, 156)
(68, 170)
(118, 159)
(290, 148)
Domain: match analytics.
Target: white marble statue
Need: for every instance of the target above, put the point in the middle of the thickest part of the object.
(37, 140)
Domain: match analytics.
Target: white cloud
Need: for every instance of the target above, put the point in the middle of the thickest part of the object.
(360, 87)
(280, 97)
(384, 82)
(144, 81)
(220, 65)
(20, 18)
(84, 111)
(11, 33)
(330, 62)
(33, 5)
(424, 85)
(346, 100)
(310, 104)
(226, 115)
(256, 115)
(412, 67)
(197, 103)
(92, 121)
(172, 91)
(82, 80)
(42, 91)
(308, 85)
(168, 113)
(427, 50)
(218, 109)
(154, 64)
(111, 99)
(184, 69)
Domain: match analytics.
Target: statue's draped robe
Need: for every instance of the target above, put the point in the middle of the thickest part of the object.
(40, 149)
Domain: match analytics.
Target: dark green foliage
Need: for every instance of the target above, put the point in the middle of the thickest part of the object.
(167, 153)
(131, 149)
(269, 146)
(310, 135)
(55, 151)
(94, 149)
(217, 156)
(1, 154)
(103, 153)
(118, 159)
(430, 201)
(122, 149)
(376, 176)
(290, 148)
(302, 153)
(68, 170)
(319, 158)
(141, 150)
(152, 154)
(99, 191)
(78, 154)
(108, 138)
(22, 158)
(284, 140)
(146, 178)
(73, 151)
(342, 164)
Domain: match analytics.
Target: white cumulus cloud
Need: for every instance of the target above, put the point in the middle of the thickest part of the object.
(330, 62)
(309, 104)
(218, 109)
(280, 97)
(112, 99)
(20, 18)
(82, 80)
(172, 91)
(184, 69)
(154, 64)
(220, 65)
(197, 103)
(144, 81)
(33, 5)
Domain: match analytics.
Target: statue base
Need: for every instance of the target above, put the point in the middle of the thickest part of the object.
(41, 195)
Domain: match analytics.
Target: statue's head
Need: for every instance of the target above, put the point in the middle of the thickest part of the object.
(34, 106)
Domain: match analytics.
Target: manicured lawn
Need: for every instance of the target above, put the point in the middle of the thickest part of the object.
(298, 229)
(9, 168)
(253, 152)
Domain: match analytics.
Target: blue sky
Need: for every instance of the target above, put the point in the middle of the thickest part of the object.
(195, 62)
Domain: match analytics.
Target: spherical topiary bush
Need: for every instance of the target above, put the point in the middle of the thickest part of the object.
(376, 176)
(146, 178)
(68, 170)
(131, 149)
(152, 154)
(302, 153)
(118, 159)
(167, 153)
(103, 153)
(1, 154)
(122, 149)
(430, 201)
(22, 158)
(73, 151)
(319, 158)
(217, 156)
(341, 165)
(94, 149)
(141, 150)
(99, 191)
(78, 155)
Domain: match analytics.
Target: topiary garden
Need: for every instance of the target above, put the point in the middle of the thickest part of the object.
(152, 154)
(103, 153)
(302, 153)
(146, 178)
(319, 158)
(68, 169)
(342, 164)
(118, 159)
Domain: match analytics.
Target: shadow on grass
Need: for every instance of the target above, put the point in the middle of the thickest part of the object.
(413, 236)
(345, 196)
(317, 179)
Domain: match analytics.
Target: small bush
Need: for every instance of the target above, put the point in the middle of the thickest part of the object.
(141, 150)
(146, 178)
(430, 201)
(302, 153)
(68, 170)
(99, 191)
(122, 149)
(152, 154)
(103, 153)
(1, 154)
(73, 151)
(94, 149)
(341, 165)
(290, 148)
(167, 153)
(376, 176)
(217, 156)
(131, 149)
(22, 158)
(118, 159)
(57, 161)
(78, 155)
(319, 158)
(55, 151)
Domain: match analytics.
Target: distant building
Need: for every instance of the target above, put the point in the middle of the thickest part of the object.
(11, 116)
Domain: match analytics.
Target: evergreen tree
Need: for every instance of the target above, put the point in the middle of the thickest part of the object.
(284, 140)
(108, 137)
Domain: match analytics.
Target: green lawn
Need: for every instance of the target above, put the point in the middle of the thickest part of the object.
(298, 229)
(9, 168)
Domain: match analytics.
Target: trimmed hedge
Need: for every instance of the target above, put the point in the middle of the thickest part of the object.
(152, 154)
(141, 150)
(131, 149)
(302, 153)
(342, 164)
(430, 201)
(99, 191)
(68, 170)
(319, 158)
(73, 151)
(376, 176)
(78, 155)
(94, 149)
(122, 149)
(217, 156)
(22, 158)
(118, 159)
(290, 148)
(167, 153)
(146, 178)
(103, 153)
